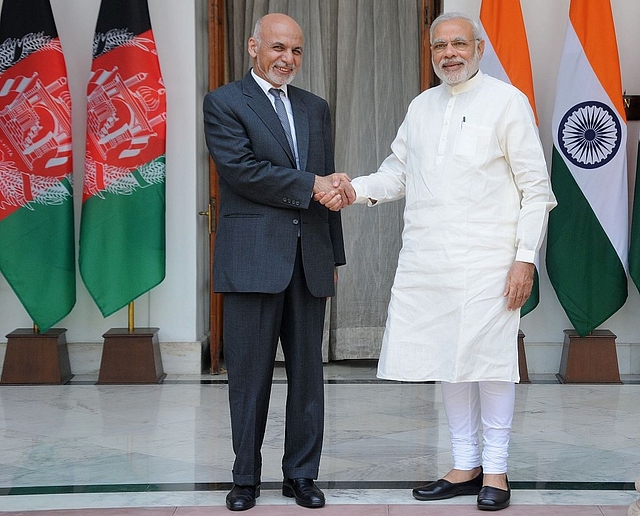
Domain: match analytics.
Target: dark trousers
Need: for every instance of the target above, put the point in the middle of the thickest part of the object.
(253, 322)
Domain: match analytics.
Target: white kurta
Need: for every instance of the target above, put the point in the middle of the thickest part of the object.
(470, 164)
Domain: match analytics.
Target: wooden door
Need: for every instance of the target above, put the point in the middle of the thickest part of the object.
(217, 56)
(216, 28)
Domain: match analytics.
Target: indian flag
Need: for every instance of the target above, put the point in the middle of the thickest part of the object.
(506, 57)
(587, 240)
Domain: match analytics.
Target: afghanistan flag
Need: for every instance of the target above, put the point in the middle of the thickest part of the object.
(122, 231)
(588, 230)
(506, 57)
(36, 182)
(634, 246)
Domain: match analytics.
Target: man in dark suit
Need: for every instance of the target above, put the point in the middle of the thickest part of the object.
(275, 254)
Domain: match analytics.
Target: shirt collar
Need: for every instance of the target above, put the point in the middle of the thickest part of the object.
(467, 85)
(266, 85)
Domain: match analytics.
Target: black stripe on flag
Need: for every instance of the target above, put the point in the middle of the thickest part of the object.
(19, 18)
(132, 15)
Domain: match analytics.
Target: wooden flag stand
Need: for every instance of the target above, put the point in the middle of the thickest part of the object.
(522, 359)
(589, 359)
(131, 355)
(36, 358)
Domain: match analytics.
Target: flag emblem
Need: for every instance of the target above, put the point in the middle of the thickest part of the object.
(35, 122)
(589, 134)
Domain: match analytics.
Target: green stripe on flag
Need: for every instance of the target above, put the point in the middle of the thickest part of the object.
(122, 239)
(37, 258)
(534, 298)
(634, 244)
(580, 257)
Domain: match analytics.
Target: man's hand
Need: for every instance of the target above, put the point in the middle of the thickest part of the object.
(334, 192)
(519, 284)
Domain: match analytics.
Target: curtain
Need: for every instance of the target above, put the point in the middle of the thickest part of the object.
(363, 57)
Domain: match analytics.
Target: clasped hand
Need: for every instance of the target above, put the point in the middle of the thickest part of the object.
(335, 191)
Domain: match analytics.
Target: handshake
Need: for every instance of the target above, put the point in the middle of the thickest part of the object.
(334, 192)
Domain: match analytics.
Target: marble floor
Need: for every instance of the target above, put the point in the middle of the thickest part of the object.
(116, 450)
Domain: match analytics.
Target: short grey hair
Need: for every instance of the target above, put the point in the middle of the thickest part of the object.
(257, 31)
(477, 31)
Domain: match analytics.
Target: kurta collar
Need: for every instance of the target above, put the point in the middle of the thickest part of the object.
(472, 83)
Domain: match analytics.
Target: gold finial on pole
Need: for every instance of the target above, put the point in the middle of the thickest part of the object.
(35, 328)
(131, 318)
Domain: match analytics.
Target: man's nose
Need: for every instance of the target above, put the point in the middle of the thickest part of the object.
(449, 51)
(287, 56)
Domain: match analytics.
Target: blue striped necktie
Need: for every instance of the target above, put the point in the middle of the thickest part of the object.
(284, 119)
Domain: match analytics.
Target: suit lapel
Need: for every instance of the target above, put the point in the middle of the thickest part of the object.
(301, 119)
(262, 107)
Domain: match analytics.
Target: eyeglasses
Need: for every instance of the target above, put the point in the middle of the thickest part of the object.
(459, 45)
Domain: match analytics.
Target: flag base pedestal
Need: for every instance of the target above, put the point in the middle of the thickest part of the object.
(36, 358)
(131, 357)
(522, 359)
(589, 359)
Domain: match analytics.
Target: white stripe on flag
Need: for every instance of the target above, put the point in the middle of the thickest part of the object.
(490, 63)
(610, 204)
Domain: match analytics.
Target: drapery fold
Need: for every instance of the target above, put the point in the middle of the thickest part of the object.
(363, 57)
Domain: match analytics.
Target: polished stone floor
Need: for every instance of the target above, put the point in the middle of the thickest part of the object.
(115, 450)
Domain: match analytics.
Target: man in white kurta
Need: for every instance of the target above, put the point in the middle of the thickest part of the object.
(469, 163)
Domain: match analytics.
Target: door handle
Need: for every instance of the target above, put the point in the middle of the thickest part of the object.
(211, 215)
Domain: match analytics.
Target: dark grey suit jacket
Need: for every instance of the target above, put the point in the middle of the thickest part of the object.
(265, 201)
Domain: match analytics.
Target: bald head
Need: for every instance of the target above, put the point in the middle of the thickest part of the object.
(271, 21)
(276, 48)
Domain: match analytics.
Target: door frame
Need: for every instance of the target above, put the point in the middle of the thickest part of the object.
(217, 53)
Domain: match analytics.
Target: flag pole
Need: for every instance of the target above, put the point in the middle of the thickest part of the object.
(131, 317)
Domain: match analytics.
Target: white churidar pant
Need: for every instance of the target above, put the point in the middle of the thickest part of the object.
(467, 404)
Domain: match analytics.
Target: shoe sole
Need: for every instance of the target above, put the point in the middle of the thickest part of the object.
(493, 507)
(469, 492)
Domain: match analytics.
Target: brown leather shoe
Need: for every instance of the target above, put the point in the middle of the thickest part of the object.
(305, 491)
(241, 498)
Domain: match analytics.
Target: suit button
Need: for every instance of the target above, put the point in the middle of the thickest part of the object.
(296, 221)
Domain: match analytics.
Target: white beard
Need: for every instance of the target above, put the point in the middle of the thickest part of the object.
(458, 77)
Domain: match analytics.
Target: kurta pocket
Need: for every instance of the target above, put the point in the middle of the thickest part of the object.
(472, 143)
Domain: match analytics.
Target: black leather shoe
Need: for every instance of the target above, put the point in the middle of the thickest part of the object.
(493, 498)
(442, 489)
(241, 498)
(304, 490)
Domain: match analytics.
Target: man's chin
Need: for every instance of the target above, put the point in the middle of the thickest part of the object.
(282, 79)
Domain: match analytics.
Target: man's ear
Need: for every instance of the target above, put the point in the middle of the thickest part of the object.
(480, 48)
(252, 47)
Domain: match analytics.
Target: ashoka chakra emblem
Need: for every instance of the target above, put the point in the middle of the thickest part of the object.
(590, 134)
